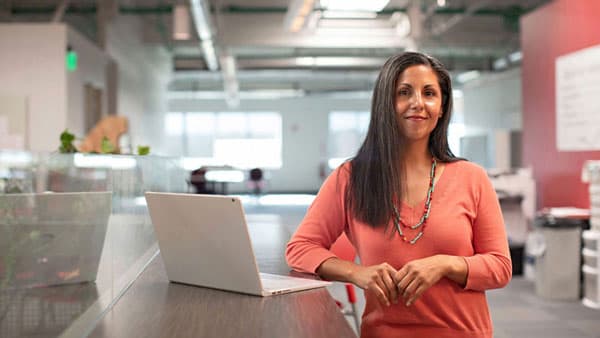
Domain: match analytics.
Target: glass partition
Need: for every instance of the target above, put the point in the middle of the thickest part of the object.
(74, 234)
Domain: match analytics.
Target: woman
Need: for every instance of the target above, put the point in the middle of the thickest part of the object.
(426, 225)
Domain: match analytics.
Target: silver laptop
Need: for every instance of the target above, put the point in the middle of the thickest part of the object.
(204, 241)
(52, 238)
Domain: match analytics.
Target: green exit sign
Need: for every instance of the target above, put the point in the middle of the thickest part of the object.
(71, 60)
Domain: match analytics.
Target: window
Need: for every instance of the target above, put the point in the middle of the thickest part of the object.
(347, 130)
(240, 139)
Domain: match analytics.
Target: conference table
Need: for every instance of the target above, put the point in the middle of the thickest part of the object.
(154, 307)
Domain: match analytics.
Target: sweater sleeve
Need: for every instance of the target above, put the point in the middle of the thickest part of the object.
(324, 222)
(490, 267)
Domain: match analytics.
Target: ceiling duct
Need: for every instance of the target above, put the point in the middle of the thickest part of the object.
(202, 21)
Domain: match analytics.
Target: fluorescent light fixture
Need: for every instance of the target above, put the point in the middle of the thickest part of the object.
(104, 161)
(441, 3)
(401, 23)
(313, 20)
(297, 13)
(500, 63)
(201, 17)
(354, 5)
(263, 94)
(339, 61)
(355, 34)
(515, 57)
(349, 14)
(230, 82)
(467, 76)
(210, 56)
(181, 23)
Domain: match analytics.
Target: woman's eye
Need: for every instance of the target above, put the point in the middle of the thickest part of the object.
(430, 93)
(403, 92)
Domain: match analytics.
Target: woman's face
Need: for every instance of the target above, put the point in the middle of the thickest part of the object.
(418, 102)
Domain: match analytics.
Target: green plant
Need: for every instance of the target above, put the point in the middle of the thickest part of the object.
(106, 147)
(66, 143)
(143, 150)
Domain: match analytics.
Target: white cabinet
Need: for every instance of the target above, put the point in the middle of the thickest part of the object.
(590, 269)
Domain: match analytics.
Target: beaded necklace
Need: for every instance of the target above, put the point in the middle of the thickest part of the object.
(422, 222)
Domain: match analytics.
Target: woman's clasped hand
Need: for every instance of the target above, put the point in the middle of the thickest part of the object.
(406, 285)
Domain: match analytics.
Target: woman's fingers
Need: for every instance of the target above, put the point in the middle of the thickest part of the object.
(409, 290)
(403, 280)
(416, 295)
(390, 286)
(377, 287)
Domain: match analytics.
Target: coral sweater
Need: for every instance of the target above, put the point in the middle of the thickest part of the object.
(465, 221)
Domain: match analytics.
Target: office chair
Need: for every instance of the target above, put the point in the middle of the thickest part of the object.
(198, 181)
(256, 182)
(345, 250)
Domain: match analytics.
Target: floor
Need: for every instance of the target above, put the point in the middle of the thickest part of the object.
(516, 310)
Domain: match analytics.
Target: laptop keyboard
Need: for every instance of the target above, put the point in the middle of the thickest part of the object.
(276, 282)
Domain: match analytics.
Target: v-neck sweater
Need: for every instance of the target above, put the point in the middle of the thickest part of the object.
(465, 221)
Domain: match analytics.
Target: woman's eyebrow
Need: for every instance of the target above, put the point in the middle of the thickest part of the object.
(405, 85)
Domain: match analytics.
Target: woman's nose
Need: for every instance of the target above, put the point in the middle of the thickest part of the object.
(416, 100)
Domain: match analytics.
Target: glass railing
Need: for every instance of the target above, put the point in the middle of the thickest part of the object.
(74, 234)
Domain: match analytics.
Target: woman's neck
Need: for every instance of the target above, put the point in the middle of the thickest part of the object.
(417, 156)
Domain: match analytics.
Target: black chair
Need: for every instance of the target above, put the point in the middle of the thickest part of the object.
(198, 181)
(256, 181)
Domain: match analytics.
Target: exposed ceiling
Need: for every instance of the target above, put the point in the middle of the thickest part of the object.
(252, 44)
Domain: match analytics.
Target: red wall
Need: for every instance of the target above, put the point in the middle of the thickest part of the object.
(558, 28)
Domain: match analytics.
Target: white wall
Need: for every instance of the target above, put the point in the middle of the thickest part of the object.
(32, 65)
(91, 69)
(143, 75)
(493, 103)
(305, 128)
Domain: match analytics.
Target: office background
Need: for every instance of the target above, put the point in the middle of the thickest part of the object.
(233, 83)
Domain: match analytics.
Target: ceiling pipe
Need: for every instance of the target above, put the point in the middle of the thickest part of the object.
(296, 15)
(230, 81)
(445, 26)
(202, 22)
(60, 11)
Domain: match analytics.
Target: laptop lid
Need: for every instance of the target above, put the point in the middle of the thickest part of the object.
(204, 241)
(53, 238)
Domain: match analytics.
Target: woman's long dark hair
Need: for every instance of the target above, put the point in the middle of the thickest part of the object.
(374, 180)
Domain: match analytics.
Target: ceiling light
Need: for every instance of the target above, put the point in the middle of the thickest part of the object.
(354, 5)
(210, 56)
(230, 82)
(401, 23)
(349, 14)
(441, 3)
(259, 94)
(500, 63)
(515, 57)
(339, 61)
(467, 76)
